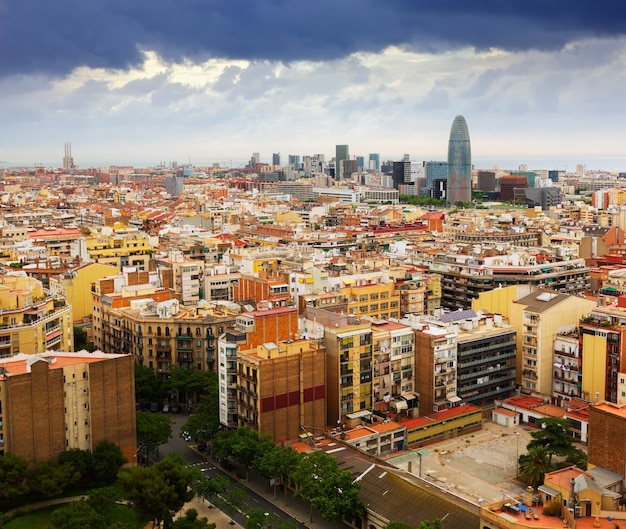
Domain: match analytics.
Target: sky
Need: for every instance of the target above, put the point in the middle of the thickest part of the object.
(212, 81)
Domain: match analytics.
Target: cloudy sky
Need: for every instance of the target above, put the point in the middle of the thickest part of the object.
(144, 81)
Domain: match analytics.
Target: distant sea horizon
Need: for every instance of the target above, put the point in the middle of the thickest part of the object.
(566, 163)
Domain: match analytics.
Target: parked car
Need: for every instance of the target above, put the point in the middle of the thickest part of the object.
(166, 408)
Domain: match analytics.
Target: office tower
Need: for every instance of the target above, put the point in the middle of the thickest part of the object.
(256, 158)
(459, 163)
(435, 171)
(342, 153)
(509, 183)
(174, 185)
(294, 159)
(276, 158)
(360, 161)
(487, 180)
(402, 172)
(553, 175)
(68, 161)
(348, 168)
(374, 160)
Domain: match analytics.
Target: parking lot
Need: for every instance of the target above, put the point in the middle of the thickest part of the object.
(480, 467)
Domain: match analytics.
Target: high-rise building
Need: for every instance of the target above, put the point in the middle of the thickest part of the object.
(276, 158)
(459, 163)
(374, 160)
(434, 171)
(487, 180)
(360, 161)
(342, 152)
(402, 172)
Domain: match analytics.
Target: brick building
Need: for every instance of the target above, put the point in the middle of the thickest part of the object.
(282, 388)
(53, 401)
(607, 442)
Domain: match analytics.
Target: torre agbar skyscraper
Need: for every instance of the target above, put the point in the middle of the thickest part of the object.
(459, 185)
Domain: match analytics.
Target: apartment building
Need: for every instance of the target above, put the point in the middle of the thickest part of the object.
(120, 249)
(182, 275)
(374, 299)
(75, 286)
(486, 352)
(602, 338)
(281, 388)
(538, 318)
(349, 366)
(394, 368)
(32, 320)
(55, 401)
(251, 330)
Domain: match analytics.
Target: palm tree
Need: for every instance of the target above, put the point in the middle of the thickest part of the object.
(535, 464)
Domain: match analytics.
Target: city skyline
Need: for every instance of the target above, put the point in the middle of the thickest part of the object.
(217, 81)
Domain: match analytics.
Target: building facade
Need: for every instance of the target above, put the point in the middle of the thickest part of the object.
(459, 186)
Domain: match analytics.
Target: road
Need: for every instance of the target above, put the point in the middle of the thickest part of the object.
(211, 470)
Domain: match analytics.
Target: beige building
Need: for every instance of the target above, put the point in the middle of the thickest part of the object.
(55, 401)
(538, 318)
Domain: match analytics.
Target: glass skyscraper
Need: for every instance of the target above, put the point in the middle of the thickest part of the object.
(459, 188)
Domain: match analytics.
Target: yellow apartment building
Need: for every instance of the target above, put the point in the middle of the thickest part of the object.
(369, 298)
(32, 320)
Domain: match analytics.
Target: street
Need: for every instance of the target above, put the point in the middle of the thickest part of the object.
(211, 470)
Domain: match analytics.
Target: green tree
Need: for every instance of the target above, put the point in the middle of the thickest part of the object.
(205, 423)
(13, 476)
(278, 462)
(148, 388)
(259, 519)
(232, 500)
(430, 524)
(554, 436)
(209, 489)
(81, 461)
(107, 461)
(534, 465)
(78, 514)
(330, 490)
(398, 525)
(80, 340)
(158, 490)
(51, 478)
(103, 500)
(191, 521)
(189, 383)
(153, 430)
(246, 444)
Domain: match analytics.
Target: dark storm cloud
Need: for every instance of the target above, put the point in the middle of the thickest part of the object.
(55, 37)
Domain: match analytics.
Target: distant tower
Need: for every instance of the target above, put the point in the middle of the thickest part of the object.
(342, 152)
(459, 188)
(68, 161)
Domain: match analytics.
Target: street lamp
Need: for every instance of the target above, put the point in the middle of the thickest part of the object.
(516, 455)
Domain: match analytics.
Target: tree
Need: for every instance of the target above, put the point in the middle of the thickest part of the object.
(205, 423)
(81, 460)
(153, 430)
(78, 514)
(153, 491)
(103, 500)
(107, 461)
(80, 340)
(209, 489)
(259, 519)
(190, 383)
(245, 443)
(398, 525)
(191, 521)
(331, 491)
(147, 385)
(232, 500)
(279, 462)
(13, 471)
(554, 436)
(51, 478)
(534, 465)
(430, 524)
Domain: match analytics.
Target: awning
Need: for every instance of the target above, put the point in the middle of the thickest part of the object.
(547, 490)
(409, 396)
(399, 405)
(53, 335)
(455, 399)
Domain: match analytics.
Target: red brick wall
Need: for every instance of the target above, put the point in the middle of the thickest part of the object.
(607, 440)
